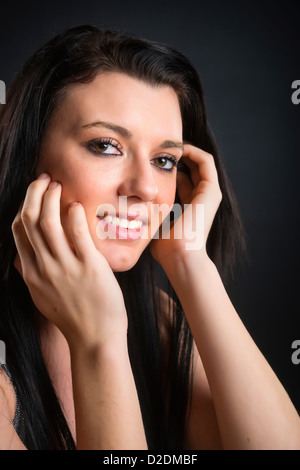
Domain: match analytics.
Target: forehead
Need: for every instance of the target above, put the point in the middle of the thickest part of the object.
(119, 98)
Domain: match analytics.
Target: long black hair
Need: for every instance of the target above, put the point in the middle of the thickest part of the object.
(78, 55)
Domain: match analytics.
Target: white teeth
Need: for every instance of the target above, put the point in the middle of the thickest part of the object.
(108, 219)
(123, 223)
(135, 224)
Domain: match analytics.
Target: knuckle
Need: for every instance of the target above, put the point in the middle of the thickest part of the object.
(29, 277)
(16, 224)
(27, 215)
(219, 195)
(47, 224)
(207, 186)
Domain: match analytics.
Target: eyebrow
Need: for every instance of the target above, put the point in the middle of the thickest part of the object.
(127, 134)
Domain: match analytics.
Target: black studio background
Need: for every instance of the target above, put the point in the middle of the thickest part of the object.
(247, 54)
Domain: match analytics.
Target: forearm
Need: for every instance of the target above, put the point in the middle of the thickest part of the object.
(107, 409)
(253, 409)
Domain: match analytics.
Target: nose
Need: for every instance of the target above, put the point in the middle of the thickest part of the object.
(138, 180)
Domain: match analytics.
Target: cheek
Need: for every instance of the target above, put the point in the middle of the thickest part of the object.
(167, 192)
(165, 200)
(77, 184)
(76, 178)
(87, 185)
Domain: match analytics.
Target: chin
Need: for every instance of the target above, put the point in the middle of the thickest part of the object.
(121, 266)
(121, 260)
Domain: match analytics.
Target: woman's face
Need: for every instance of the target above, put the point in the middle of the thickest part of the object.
(115, 136)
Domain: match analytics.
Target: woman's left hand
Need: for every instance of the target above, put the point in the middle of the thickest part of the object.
(201, 194)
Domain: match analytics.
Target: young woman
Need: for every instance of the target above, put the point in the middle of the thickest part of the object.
(117, 338)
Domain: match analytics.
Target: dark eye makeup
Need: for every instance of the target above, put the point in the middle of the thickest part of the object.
(101, 146)
(111, 148)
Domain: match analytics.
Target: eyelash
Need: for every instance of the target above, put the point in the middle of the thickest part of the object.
(91, 145)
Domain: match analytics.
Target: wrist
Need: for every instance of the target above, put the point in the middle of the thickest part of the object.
(114, 349)
(93, 341)
(184, 260)
(185, 271)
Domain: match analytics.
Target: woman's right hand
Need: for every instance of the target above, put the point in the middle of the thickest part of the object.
(73, 286)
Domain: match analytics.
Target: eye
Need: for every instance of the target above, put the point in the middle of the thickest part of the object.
(104, 147)
(166, 162)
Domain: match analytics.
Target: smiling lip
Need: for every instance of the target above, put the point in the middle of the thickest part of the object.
(128, 216)
(116, 232)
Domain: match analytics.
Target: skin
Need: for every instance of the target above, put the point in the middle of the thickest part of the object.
(69, 271)
(237, 401)
(152, 116)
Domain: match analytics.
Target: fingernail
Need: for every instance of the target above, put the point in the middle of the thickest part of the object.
(43, 176)
(53, 185)
(74, 203)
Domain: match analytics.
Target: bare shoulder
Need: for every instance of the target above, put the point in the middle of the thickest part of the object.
(9, 439)
(202, 426)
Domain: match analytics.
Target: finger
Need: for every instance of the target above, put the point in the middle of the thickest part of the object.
(79, 232)
(25, 261)
(50, 223)
(30, 216)
(205, 162)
